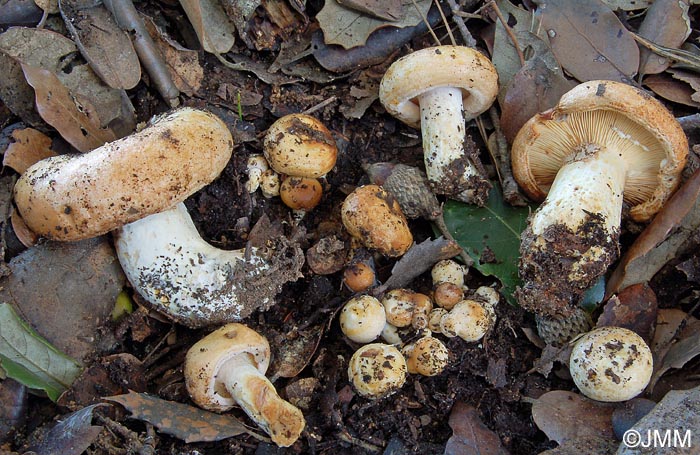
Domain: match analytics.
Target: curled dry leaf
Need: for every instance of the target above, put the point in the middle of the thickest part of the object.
(215, 31)
(589, 40)
(104, 45)
(72, 435)
(75, 119)
(470, 435)
(26, 236)
(672, 89)
(634, 308)
(15, 93)
(29, 146)
(49, 6)
(661, 240)
(349, 28)
(182, 421)
(665, 23)
(565, 416)
(294, 354)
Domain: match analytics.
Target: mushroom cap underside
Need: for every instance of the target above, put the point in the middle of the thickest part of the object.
(605, 114)
(435, 67)
(205, 358)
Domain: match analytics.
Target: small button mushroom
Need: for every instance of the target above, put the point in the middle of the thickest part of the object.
(362, 319)
(447, 295)
(372, 215)
(436, 89)
(448, 271)
(270, 183)
(427, 356)
(255, 166)
(468, 320)
(390, 334)
(301, 146)
(422, 306)
(75, 197)
(399, 305)
(435, 318)
(611, 364)
(489, 294)
(301, 193)
(227, 368)
(359, 276)
(192, 282)
(377, 370)
(603, 145)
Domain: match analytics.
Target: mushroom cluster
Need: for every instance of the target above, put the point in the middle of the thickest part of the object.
(604, 145)
(437, 89)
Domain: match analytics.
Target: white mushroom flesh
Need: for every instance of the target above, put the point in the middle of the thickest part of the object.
(362, 319)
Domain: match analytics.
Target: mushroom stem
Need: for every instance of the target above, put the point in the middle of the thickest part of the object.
(447, 165)
(258, 398)
(574, 233)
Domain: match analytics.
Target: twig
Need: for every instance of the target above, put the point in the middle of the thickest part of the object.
(427, 24)
(689, 122)
(678, 55)
(129, 20)
(511, 193)
(492, 4)
(320, 105)
(447, 24)
(469, 40)
(347, 437)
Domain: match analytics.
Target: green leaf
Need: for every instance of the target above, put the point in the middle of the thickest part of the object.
(31, 360)
(494, 229)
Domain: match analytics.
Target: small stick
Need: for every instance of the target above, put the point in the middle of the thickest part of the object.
(447, 25)
(508, 30)
(502, 159)
(320, 105)
(427, 24)
(457, 16)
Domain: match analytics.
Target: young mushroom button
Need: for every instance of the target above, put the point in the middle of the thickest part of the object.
(377, 370)
(436, 89)
(227, 368)
(604, 143)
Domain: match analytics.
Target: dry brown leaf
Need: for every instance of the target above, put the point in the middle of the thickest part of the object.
(668, 323)
(673, 347)
(78, 281)
(104, 45)
(15, 93)
(634, 308)
(29, 146)
(349, 28)
(535, 88)
(26, 236)
(74, 119)
(671, 89)
(182, 421)
(470, 435)
(661, 240)
(564, 416)
(293, 355)
(589, 40)
(388, 10)
(665, 23)
(49, 6)
(690, 77)
(183, 64)
(214, 29)
(628, 5)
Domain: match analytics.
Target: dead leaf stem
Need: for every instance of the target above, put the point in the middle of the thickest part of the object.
(501, 157)
(426, 22)
(492, 4)
(447, 24)
(469, 40)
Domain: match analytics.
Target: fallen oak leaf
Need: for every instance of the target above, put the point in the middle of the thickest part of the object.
(215, 31)
(76, 120)
(634, 308)
(29, 146)
(72, 435)
(665, 23)
(470, 435)
(182, 421)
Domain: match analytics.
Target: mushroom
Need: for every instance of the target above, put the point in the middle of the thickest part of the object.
(301, 146)
(447, 295)
(227, 368)
(359, 276)
(611, 364)
(362, 319)
(301, 193)
(604, 143)
(448, 271)
(184, 277)
(399, 306)
(377, 370)
(436, 89)
(422, 306)
(372, 216)
(74, 197)
(427, 356)
(469, 320)
(435, 318)
(255, 166)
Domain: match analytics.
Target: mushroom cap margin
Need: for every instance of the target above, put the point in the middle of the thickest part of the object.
(206, 356)
(434, 67)
(629, 101)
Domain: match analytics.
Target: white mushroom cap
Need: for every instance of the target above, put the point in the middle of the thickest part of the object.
(442, 66)
(399, 306)
(301, 146)
(362, 319)
(468, 320)
(447, 295)
(390, 334)
(611, 364)
(448, 271)
(377, 370)
(435, 318)
(427, 356)
(422, 306)
(206, 357)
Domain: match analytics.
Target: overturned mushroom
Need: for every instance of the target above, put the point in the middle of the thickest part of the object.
(193, 283)
(74, 197)
(604, 143)
(436, 89)
(227, 368)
